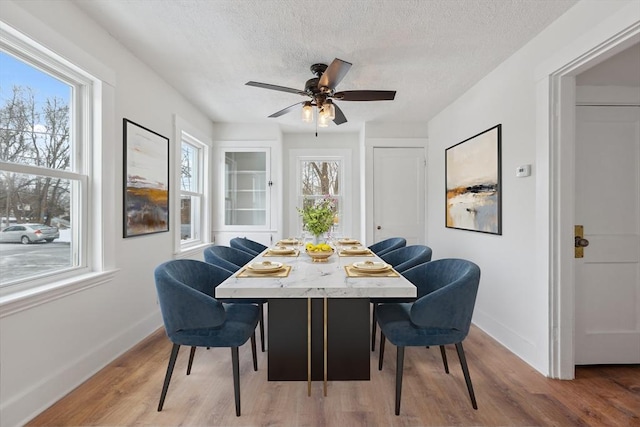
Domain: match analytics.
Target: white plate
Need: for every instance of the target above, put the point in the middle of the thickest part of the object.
(281, 250)
(265, 266)
(290, 241)
(348, 241)
(371, 266)
(356, 250)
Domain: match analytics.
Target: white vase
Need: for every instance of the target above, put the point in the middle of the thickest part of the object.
(317, 238)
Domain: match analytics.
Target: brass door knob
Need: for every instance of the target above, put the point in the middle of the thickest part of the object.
(581, 242)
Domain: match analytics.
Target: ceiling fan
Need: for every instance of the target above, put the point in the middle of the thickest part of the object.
(322, 91)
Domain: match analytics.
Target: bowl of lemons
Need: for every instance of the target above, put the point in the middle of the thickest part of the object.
(320, 252)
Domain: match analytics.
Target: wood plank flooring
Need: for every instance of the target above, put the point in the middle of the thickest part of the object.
(509, 392)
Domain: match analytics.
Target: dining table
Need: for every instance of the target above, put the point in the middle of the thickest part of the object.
(318, 311)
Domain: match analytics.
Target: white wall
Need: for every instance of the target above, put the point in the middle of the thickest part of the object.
(513, 301)
(47, 350)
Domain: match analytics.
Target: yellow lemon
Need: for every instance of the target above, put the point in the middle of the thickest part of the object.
(325, 247)
(309, 246)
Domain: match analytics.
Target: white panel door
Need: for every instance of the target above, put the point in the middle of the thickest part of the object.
(399, 194)
(607, 279)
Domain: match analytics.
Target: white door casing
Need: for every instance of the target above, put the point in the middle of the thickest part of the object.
(399, 194)
(607, 204)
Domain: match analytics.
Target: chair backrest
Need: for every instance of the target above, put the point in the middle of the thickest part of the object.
(186, 295)
(402, 259)
(250, 246)
(229, 258)
(447, 290)
(388, 245)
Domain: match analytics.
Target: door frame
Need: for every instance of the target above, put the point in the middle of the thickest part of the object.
(368, 193)
(555, 149)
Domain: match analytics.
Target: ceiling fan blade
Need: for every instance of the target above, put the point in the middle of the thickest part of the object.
(334, 73)
(365, 95)
(276, 87)
(340, 118)
(286, 110)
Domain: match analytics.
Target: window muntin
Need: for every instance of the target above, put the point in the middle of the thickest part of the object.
(246, 188)
(192, 179)
(320, 178)
(45, 121)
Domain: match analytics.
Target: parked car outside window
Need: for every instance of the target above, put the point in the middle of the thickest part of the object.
(29, 233)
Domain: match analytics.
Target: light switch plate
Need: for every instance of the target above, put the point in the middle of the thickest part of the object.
(522, 171)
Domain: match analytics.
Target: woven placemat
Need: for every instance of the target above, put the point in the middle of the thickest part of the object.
(295, 253)
(368, 253)
(289, 243)
(352, 272)
(283, 272)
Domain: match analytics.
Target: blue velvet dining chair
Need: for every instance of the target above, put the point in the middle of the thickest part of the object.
(194, 317)
(441, 315)
(400, 259)
(233, 259)
(250, 246)
(388, 245)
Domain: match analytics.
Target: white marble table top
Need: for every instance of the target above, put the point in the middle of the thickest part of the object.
(309, 279)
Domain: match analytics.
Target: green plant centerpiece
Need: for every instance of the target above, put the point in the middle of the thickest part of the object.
(317, 217)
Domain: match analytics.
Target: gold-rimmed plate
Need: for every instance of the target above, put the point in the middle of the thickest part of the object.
(355, 250)
(348, 241)
(265, 267)
(281, 250)
(289, 241)
(371, 266)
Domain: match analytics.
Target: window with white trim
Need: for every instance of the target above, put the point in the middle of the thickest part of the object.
(45, 165)
(320, 178)
(193, 201)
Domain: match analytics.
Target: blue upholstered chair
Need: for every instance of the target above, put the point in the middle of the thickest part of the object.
(250, 246)
(227, 257)
(441, 315)
(388, 245)
(193, 317)
(400, 259)
(233, 259)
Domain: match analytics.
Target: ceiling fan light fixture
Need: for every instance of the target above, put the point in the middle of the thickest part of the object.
(307, 112)
(329, 110)
(323, 121)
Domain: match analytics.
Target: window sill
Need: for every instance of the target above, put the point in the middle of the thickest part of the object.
(189, 251)
(24, 300)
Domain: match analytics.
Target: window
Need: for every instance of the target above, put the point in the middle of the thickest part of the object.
(318, 179)
(45, 174)
(193, 206)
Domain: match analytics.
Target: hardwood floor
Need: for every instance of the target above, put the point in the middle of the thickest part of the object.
(508, 391)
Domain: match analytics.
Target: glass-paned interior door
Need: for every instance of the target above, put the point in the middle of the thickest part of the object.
(246, 188)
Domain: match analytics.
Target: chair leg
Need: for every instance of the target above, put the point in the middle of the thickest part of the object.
(373, 327)
(444, 359)
(261, 324)
(253, 351)
(399, 368)
(192, 353)
(465, 371)
(383, 340)
(236, 377)
(167, 377)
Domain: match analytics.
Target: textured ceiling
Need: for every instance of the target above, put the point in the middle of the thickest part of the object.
(429, 51)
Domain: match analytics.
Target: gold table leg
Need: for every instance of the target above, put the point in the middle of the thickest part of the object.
(325, 346)
(308, 346)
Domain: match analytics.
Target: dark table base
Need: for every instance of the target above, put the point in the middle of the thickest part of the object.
(348, 327)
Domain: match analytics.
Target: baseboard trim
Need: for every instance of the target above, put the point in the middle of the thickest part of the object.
(21, 408)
